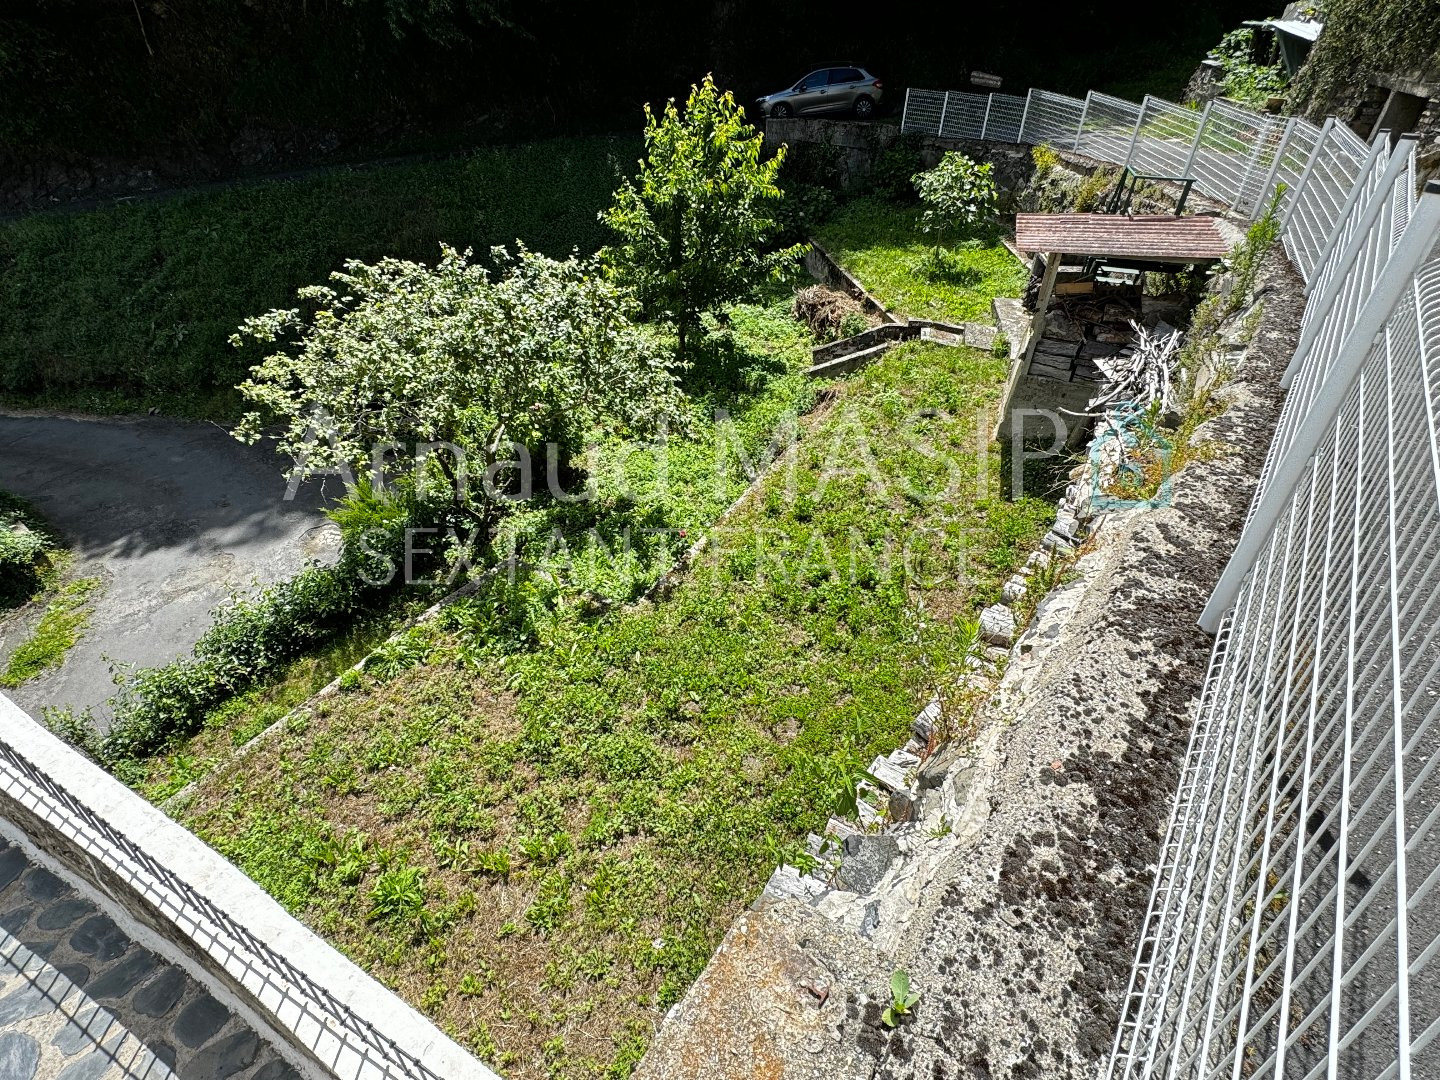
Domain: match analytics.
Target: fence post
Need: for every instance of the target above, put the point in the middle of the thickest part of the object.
(1199, 135)
(905, 110)
(1025, 115)
(1080, 129)
(1309, 168)
(1135, 135)
(1333, 392)
(1333, 236)
(985, 124)
(944, 104)
(1269, 185)
(1320, 303)
(1251, 160)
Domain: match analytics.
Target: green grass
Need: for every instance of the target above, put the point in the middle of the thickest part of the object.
(883, 246)
(132, 307)
(539, 840)
(233, 724)
(57, 631)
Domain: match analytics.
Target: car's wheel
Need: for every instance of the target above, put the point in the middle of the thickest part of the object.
(780, 111)
(864, 108)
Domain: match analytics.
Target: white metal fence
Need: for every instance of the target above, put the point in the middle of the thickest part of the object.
(1294, 927)
(1236, 156)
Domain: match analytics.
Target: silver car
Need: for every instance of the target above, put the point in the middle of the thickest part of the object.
(839, 89)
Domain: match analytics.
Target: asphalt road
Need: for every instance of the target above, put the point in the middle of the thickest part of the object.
(173, 516)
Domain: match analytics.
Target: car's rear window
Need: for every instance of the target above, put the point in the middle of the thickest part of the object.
(844, 75)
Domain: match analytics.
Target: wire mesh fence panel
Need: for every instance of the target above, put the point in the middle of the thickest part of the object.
(923, 112)
(1052, 118)
(1228, 162)
(1362, 249)
(1295, 922)
(1294, 925)
(964, 116)
(1109, 127)
(1004, 117)
(1166, 136)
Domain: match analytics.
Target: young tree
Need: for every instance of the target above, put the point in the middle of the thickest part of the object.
(693, 226)
(959, 194)
(400, 354)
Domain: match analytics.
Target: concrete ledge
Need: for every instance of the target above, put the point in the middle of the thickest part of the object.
(849, 362)
(886, 332)
(308, 996)
(823, 267)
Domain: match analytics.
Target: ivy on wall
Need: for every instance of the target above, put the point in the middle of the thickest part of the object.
(1364, 37)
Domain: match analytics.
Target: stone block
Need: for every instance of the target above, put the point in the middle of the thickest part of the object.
(997, 625)
(865, 860)
(980, 335)
(1015, 589)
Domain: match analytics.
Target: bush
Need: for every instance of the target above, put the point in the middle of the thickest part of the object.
(1045, 158)
(23, 546)
(960, 198)
(1090, 192)
(890, 176)
(828, 312)
(804, 208)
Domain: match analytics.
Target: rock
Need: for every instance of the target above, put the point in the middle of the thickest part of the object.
(890, 777)
(98, 936)
(162, 993)
(997, 625)
(980, 335)
(19, 1055)
(124, 976)
(924, 725)
(1038, 560)
(840, 828)
(807, 970)
(865, 860)
(201, 1019)
(1056, 544)
(902, 806)
(1015, 589)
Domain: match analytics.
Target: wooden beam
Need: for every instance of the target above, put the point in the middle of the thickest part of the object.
(1042, 304)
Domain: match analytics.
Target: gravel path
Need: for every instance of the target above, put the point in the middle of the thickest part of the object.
(172, 516)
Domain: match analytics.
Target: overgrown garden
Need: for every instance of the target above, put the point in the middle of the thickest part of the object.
(536, 814)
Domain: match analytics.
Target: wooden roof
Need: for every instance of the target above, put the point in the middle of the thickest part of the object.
(1151, 237)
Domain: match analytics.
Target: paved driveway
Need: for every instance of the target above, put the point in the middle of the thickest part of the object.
(172, 515)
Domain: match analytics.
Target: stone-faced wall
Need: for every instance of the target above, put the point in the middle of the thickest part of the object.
(856, 145)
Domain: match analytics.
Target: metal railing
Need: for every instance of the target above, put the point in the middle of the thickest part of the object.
(1235, 155)
(186, 906)
(1294, 926)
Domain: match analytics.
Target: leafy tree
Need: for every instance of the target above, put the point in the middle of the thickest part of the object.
(398, 354)
(693, 226)
(959, 196)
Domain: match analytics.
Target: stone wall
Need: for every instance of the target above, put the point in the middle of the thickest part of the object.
(856, 145)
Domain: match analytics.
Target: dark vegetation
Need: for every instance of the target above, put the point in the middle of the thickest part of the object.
(132, 306)
(26, 548)
(212, 88)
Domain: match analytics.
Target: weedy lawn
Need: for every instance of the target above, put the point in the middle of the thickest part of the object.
(882, 244)
(538, 822)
